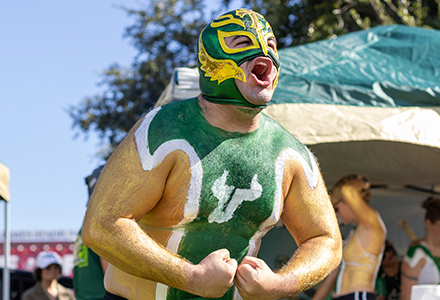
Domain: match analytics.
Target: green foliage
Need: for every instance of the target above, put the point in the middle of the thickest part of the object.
(165, 34)
(319, 20)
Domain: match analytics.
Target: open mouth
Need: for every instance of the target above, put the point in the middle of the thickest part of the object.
(261, 70)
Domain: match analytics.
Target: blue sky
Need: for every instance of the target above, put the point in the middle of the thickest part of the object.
(51, 55)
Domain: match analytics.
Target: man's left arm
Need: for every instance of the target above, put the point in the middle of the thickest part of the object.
(309, 216)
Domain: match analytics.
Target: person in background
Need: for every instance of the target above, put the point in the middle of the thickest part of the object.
(389, 274)
(363, 248)
(47, 273)
(421, 264)
(182, 204)
(89, 268)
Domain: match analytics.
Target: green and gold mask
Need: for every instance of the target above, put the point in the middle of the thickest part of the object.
(219, 64)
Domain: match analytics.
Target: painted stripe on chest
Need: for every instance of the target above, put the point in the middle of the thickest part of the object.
(149, 161)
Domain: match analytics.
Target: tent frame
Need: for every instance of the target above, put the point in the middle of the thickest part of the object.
(7, 254)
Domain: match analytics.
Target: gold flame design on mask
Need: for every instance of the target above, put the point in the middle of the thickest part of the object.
(219, 69)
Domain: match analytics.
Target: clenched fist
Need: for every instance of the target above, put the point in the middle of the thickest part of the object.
(255, 280)
(213, 276)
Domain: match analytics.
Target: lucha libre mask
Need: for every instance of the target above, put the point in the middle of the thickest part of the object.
(219, 64)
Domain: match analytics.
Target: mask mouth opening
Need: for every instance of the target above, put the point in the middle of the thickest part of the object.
(261, 70)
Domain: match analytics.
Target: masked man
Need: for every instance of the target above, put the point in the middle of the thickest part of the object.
(181, 206)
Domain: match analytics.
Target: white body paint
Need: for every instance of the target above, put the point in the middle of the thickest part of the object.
(224, 211)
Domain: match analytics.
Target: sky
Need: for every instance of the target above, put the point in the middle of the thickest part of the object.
(52, 53)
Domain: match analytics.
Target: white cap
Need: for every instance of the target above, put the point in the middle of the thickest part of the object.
(46, 258)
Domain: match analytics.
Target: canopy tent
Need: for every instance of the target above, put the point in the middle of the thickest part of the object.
(366, 102)
(4, 195)
(369, 102)
(4, 182)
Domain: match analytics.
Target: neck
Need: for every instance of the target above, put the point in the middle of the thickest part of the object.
(391, 269)
(230, 117)
(49, 285)
(433, 244)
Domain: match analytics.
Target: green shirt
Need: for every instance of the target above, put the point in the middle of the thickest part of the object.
(88, 276)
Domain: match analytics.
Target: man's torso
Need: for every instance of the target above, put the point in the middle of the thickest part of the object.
(227, 191)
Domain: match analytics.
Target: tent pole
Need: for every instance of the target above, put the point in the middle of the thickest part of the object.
(7, 253)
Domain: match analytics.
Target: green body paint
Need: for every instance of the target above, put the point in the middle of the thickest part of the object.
(239, 197)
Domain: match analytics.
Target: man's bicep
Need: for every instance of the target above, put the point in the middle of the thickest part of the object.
(307, 210)
(124, 189)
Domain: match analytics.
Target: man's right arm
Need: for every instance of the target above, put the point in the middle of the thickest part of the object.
(123, 195)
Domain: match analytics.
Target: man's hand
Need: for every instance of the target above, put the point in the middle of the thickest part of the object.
(213, 276)
(255, 280)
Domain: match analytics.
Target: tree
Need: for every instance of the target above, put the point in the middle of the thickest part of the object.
(302, 21)
(165, 34)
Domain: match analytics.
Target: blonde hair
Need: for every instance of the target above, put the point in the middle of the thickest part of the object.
(365, 193)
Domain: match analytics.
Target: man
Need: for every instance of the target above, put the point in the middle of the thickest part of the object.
(88, 267)
(180, 208)
(389, 274)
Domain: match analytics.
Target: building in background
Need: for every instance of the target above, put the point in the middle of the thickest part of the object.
(25, 245)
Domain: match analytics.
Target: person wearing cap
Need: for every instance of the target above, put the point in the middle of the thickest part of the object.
(181, 206)
(47, 273)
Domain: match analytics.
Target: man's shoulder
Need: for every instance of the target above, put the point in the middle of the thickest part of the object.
(168, 123)
(171, 113)
(282, 134)
(291, 146)
(178, 106)
(277, 126)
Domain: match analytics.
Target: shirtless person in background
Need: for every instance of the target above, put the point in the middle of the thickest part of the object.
(363, 248)
(181, 206)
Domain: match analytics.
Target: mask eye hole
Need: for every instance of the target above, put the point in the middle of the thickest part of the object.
(237, 41)
(271, 42)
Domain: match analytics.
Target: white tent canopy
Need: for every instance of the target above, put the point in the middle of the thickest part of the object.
(391, 146)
